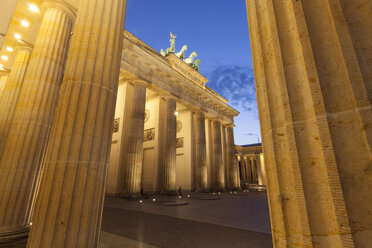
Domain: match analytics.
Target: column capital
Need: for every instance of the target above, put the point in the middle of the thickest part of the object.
(4, 73)
(60, 5)
(139, 82)
(215, 119)
(25, 46)
(169, 97)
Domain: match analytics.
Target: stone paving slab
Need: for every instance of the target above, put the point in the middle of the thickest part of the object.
(170, 232)
(109, 240)
(247, 211)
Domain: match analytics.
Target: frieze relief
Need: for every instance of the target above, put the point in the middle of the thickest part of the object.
(149, 134)
(179, 142)
(116, 125)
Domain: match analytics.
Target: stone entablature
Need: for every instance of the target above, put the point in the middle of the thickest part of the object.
(141, 61)
(184, 69)
(246, 150)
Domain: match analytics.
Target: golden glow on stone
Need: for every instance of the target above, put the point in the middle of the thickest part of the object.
(17, 36)
(33, 8)
(25, 23)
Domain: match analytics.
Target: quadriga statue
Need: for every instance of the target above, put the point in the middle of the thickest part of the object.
(172, 47)
(196, 64)
(181, 54)
(190, 59)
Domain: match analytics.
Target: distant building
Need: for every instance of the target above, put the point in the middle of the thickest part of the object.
(251, 166)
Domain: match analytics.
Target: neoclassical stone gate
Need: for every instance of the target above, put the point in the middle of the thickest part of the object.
(313, 70)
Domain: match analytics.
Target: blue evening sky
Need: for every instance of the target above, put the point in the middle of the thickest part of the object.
(218, 31)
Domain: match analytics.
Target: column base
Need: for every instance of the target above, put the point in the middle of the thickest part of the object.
(218, 190)
(133, 196)
(202, 191)
(169, 192)
(14, 238)
(234, 189)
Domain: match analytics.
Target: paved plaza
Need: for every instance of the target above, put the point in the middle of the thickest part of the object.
(196, 220)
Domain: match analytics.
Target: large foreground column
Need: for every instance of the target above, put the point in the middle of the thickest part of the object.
(133, 139)
(201, 153)
(232, 169)
(10, 93)
(218, 165)
(168, 167)
(20, 163)
(70, 202)
(313, 72)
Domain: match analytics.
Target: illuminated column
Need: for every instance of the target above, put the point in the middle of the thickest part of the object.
(253, 169)
(20, 163)
(200, 152)
(133, 139)
(168, 166)
(224, 155)
(3, 78)
(10, 93)
(259, 170)
(248, 169)
(69, 206)
(232, 169)
(313, 73)
(218, 166)
(242, 170)
(263, 169)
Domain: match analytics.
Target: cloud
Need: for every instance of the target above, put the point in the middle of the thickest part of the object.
(236, 84)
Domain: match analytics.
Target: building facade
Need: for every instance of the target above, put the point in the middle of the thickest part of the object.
(251, 164)
(170, 130)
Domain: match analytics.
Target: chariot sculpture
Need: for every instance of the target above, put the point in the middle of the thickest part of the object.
(172, 47)
(181, 54)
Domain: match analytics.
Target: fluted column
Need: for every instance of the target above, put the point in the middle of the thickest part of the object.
(69, 206)
(20, 163)
(263, 169)
(242, 170)
(10, 93)
(218, 165)
(133, 139)
(232, 169)
(169, 146)
(224, 155)
(259, 171)
(248, 170)
(313, 72)
(3, 78)
(254, 169)
(201, 153)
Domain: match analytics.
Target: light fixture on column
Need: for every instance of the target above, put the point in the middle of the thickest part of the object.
(25, 23)
(3, 57)
(176, 113)
(17, 36)
(1, 66)
(33, 8)
(9, 49)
